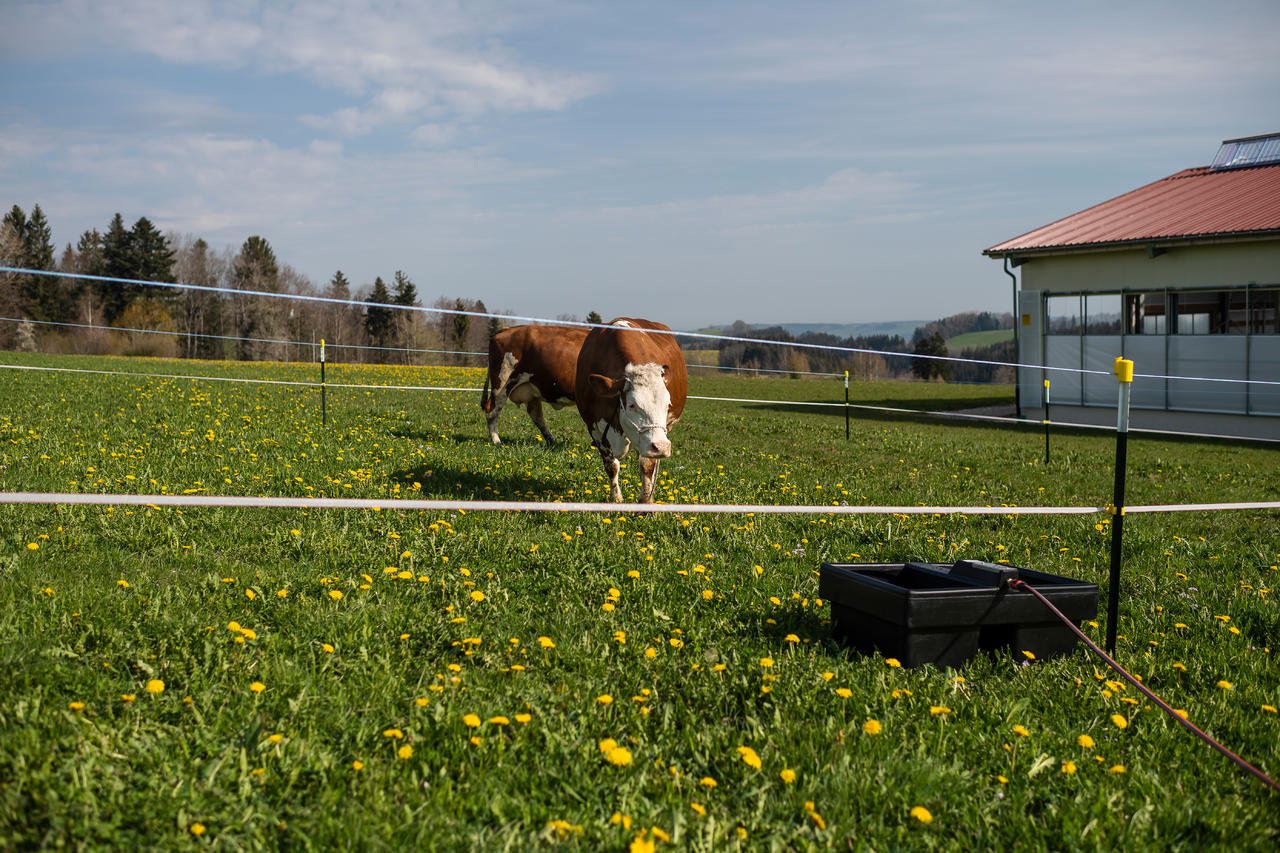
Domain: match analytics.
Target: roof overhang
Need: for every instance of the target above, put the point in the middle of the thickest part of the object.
(1154, 245)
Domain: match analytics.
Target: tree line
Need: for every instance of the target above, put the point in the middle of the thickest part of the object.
(927, 340)
(203, 322)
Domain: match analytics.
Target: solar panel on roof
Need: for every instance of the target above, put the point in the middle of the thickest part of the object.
(1252, 151)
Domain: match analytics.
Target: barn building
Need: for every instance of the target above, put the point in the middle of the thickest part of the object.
(1183, 277)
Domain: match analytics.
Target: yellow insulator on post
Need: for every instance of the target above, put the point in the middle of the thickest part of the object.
(1124, 369)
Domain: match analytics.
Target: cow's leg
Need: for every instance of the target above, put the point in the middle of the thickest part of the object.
(611, 468)
(493, 406)
(534, 407)
(648, 476)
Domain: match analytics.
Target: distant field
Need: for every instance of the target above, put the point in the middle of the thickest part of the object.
(975, 340)
(472, 680)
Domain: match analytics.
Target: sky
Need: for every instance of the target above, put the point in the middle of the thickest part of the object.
(692, 163)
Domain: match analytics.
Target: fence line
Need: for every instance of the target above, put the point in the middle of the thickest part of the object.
(541, 320)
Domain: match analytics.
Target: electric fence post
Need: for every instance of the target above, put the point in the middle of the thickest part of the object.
(1124, 373)
(1046, 422)
(846, 405)
(324, 408)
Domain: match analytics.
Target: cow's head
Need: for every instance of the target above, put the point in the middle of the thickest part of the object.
(643, 404)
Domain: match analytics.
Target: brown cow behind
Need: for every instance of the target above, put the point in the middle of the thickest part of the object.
(631, 386)
(531, 365)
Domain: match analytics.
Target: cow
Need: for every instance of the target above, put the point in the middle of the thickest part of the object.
(630, 388)
(531, 365)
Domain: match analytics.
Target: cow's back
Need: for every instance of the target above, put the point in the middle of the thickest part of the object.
(549, 354)
(628, 340)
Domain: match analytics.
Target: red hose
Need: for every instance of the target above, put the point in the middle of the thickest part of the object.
(1164, 706)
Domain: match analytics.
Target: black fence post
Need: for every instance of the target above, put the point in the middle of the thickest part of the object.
(1046, 422)
(324, 407)
(1124, 373)
(846, 405)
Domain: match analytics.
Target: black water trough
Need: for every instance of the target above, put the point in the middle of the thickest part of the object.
(945, 614)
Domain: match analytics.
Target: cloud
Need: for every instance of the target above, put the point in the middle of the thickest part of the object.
(399, 61)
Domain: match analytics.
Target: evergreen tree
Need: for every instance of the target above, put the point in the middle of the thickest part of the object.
(377, 321)
(152, 253)
(117, 262)
(928, 368)
(255, 268)
(594, 317)
(89, 261)
(339, 287)
(461, 325)
(405, 292)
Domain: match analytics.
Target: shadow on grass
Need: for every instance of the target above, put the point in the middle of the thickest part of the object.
(442, 479)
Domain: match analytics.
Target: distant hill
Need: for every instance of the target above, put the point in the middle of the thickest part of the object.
(977, 340)
(904, 328)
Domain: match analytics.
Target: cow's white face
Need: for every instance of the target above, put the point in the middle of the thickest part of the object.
(642, 409)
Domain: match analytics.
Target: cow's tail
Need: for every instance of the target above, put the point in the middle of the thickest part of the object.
(488, 378)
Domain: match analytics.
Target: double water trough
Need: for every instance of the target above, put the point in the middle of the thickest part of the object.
(945, 614)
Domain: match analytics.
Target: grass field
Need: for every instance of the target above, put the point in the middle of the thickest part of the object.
(977, 340)
(470, 680)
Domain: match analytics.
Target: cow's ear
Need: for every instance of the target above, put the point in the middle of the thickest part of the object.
(603, 385)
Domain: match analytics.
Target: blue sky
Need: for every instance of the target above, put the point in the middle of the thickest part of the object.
(694, 163)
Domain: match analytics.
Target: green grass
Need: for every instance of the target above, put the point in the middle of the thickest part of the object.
(440, 616)
(977, 340)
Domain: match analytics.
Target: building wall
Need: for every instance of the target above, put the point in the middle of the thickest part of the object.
(1169, 403)
(1217, 265)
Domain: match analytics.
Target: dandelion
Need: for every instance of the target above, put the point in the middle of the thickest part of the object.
(523, 718)
(827, 676)
(282, 593)
(788, 775)
(604, 699)
(618, 756)
(335, 594)
(327, 648)
(1225, 685)
(791, 638)
(651, 652)
(921, 814)
(1028, 655)
(640, 844)
(938, 710)
(1085, 741)
(607, 744)
(499, 721)
(1021, 731)
(250, 594)
(872, 727)
(405, 752)
(766, 662)
(257, 687)
(750, 757)
(128, 697)
(1119, 722)
(471, 721)
(844, 692)
(197, 829)
(275, 738)
(477, 595)
(699, 808)
(122, 583)
(357, 765)
(393, 733)
(708, 594)
(422, 701)
(155, 685)
(707, 782)
(546, 643)
(892, 663)
(1116, 769)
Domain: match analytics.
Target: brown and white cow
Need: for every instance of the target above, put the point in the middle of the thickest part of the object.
(531, 365)
(630, 389)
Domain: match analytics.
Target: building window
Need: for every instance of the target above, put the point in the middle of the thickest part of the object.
(1211, 312)
(1145, 314)
(1062, 315)
(1102, 314)
(1262, 312)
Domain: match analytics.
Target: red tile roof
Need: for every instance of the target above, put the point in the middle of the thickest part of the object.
(1193, 204)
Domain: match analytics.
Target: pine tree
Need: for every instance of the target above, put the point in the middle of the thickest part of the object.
(43, 296)
(152, 253)
(339, 287)
(928, 368)
(255, 268)
(405, 292)
(461, 326)
(118, 261)
(593, 317)
(377, 321)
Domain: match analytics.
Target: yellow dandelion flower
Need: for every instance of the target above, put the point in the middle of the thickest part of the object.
(1225, 685)
(618, 756)
(708, 594)
(872, 727)
(827, 676)
(1028, 655)
(499, 721)
(327, 648)
(604, 699)
(1119, 721)
(250, 594)
(197, 829)
(471, 721)
(817, 819)
(921, 814)
(523, 718)
(257, 687)
(938, 710)
(1085, 741)
(155, 685)
(128, 697)
(335, 594)
(393, 733)
(607, 744)
(405, 751)
(640, 844)
(546, 643)
(707, 782)
(282, 593)
(357, 765)
(421, 701)
(750, 757)
(844, 692)
(787, 775)
(766, 662)
(699, 808)
(651, 652)
(791, 638)
(1069, 767)
(477, 595)
(892, 663)
(275, 738)
(1116, 768)
(123, 583)
(1021, 730)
